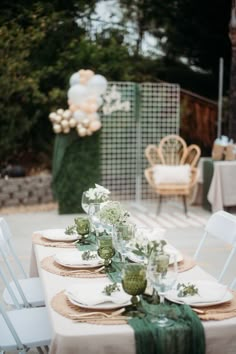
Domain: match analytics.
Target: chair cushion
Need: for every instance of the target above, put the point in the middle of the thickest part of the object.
(164, 174)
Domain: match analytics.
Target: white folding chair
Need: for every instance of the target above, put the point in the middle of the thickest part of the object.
(221, 225)
(23, 329)
(27, 291)
(233, 284)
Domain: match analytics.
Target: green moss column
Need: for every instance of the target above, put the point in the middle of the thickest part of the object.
(76, 167)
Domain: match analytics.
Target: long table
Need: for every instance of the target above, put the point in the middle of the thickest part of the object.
(81, 338)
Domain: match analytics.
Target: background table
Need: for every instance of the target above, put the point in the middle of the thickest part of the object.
(80, 338)
(222, 191)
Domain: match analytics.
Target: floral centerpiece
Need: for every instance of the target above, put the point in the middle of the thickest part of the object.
(99, 194)
(113, 214)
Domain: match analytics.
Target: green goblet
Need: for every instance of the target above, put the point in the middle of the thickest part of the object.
(82, 228)
(134, 281)
(105, 249)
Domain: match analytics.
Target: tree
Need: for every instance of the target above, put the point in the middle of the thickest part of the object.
(38, 49)
(194, 29)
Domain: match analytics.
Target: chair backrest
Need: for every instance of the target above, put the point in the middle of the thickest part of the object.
(5, 247)
(221, 225)
(5, 234)
(173, 150)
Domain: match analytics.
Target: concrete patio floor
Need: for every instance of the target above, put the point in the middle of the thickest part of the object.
(183, 232)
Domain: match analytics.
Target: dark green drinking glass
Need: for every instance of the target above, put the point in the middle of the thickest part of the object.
(105, 249)
(82, 227)
(134, 281)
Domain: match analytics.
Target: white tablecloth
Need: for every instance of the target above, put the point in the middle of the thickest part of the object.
(222, 190)
(79, 338)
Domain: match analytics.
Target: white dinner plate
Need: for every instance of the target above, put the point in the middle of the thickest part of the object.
(226, 295)
(58, 235)
(139, 259)
(103, 306)
(74, 259)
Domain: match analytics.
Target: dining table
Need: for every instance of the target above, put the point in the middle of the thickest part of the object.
(222, 191)
(70, 337)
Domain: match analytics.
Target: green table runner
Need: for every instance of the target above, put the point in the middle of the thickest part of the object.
(185, 336)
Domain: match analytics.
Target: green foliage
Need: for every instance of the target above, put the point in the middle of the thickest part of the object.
(109, 289)
(187, 289)
(38, 47)
(76, 167)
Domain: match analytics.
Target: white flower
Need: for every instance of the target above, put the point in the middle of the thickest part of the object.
(98, 194)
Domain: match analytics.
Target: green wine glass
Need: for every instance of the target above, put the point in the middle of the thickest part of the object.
(105, 249)
(82, 228)
(134, 281)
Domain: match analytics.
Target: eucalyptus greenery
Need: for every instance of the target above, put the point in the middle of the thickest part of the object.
(147, 249)
(187, 290)
(109, 289)
(87, 255)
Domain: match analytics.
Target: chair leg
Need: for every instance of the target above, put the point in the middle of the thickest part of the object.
(185, 205)
(159, 204)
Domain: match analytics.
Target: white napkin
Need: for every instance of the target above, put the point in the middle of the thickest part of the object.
(93, 295)
(56, 234)
(208, 291)
(74, 258)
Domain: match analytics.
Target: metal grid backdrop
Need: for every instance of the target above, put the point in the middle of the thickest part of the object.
(154, 113)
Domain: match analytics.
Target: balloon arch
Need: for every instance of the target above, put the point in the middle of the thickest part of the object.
(84, 100)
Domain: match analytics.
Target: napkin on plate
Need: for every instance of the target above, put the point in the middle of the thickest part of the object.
(74, 258)
(57, 234)
(92, 296)
(208, 292)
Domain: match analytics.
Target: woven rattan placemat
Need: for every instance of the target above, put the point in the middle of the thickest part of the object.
(64, 307)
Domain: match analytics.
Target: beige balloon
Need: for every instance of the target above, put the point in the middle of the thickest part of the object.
(66, 114)
(86, 122)
(89, 73)
(58, 118)
(82, 80)
(81, 72)
(64, 124)
(60, 111)
(95, 125)
(82, 131)
(57, 128)
(72, 122)
(93, 108)
(52, 116)
(84, 106)
(73, 107)
(66, 130)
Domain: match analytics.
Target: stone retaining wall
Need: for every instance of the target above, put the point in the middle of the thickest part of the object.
(25, 190)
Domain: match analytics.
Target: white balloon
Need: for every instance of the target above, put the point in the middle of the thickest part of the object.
(79, 115)
(97, 84)
(74, 79)
(94, 116)
(77, 94)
